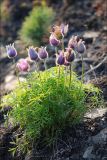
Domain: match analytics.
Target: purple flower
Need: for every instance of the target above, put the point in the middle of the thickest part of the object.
(73, 43)
(81, 47)
(64, 29)
(53, 40)
(32, 54)
(23, 65)
(11, 51)
(43, 53)
(60, 59)
(66, 63)
(70, 55)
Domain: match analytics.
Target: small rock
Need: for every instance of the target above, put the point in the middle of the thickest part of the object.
(100, 138)
(88, 153)
(91, 34)
(94, 113)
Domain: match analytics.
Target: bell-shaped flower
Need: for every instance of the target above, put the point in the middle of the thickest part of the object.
(56, 30)
(60, 59)
(11, 51)
(73, 43)
(23, 65)
(81, 48)
(53, 40)
(66, 63)
(70, 55)
(32, 53)
(64, 29)
(43, 54)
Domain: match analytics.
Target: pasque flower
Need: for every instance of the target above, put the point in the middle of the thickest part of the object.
(73, 43)
(11, 51)
(66, 63)
(60, 31)
(23, 65)
(53, 40)
(81, 47)
(43, 54)
(60, 58)
(70, 55)
(77, 44)
(32, 53)
(56, 30)
(64, 29)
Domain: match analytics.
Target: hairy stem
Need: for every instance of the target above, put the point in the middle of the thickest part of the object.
(63, 43)
(16, 71)
(37, 69)
(82, 78)
(70, 74)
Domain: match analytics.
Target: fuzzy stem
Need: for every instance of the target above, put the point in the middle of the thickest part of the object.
(36, 66)
(56, 50)
(16, 70)
(45, 64)
(63, 43)
(37, 69)
(59, 71)
(70, 74)
(82, 79)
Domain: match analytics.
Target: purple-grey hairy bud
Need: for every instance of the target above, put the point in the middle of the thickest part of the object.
(11, 51)
(66, 63)
(32, 53)
(60, 59)
(81, 47)
(43, 54)
(70, 55)
(23, 65)
(73, 42)
(64, 29)
(53, 40)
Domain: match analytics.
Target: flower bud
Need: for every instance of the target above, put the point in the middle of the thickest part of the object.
(53, 40)
(43, 53)
(81, 47)
(23, 65)
(11, 51)
(60, 59)
(32, 53)
(66, 63)
(64, 29)
(70, 55)
(73, 42)
(56, 30)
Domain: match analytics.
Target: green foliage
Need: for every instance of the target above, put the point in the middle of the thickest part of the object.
(36, 25)
(45, 103)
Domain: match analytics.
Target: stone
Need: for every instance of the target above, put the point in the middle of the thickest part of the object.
(88, 153)
(97, 112)
(100, 138)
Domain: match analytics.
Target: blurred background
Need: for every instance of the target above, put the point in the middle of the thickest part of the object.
(29, 22)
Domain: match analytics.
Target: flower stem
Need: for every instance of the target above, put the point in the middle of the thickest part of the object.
(82, 79)
(45, 64)
(56, 51)
(59, 71)
(70, 74)
(37, 69)
(16, 71)
(63, 43)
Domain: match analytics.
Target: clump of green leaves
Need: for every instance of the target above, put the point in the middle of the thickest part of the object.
(45, 103)
(36, 25)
